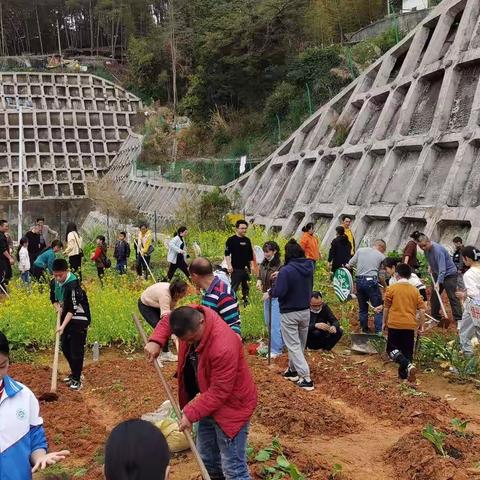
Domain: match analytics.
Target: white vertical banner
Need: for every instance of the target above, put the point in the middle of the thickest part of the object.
(243, 164)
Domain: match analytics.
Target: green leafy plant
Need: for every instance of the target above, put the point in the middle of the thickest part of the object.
(409, 391)
(337, 470)
(436, 438)
(281, 467)
(460, 426)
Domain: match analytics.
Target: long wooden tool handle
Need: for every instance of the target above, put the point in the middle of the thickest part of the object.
(174, 403)
(53, 386)
(269, 354)
(145, 262)
(442, 306)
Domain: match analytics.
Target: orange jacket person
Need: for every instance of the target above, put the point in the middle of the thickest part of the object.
(309, 242)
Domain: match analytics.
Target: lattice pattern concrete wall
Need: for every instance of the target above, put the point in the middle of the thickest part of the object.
(76, 126)
(149, 195)
(397, 150)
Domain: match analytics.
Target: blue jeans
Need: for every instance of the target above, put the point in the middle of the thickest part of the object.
(25, 276)
(277, 340)
(121, 266)
(225, 458)
(369, 291)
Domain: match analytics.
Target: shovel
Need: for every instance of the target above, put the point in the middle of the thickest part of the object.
(52, 396)
(442, 306)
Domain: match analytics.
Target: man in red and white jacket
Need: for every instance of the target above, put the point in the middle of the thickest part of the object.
(215, 386)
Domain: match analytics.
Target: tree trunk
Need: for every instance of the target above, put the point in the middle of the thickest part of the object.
(4, 46)
(114, 47)
(98, 34)
(38, 28)
(90, 13)
(27, 36)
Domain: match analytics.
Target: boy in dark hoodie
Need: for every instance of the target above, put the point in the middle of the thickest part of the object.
(293, 288)
(71, 301)
(121, 253)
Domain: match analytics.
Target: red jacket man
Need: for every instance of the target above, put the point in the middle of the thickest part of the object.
(215, 386)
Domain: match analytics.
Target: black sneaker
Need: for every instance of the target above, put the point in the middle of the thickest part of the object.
(67, 380)
(290, 375)
(246, 303)
(75, 384)
(308, 386)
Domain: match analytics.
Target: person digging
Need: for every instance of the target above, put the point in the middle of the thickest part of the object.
(215, 387)
(401, 304)
(70, 300)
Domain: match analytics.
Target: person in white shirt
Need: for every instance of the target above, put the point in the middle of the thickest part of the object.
(22, 436)
(469, 326)
(74, 250)
(390, 264)
(24, 260)
(177, 254)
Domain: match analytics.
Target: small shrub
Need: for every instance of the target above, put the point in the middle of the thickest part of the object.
(436, 438)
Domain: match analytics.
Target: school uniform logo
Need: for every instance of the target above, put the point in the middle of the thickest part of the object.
(21, 414)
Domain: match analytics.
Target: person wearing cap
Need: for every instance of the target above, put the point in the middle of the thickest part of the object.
(469, 326)
(22, 435)
(324, 331)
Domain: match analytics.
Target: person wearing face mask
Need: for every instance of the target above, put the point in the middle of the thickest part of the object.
(271, 264)
(324, 331)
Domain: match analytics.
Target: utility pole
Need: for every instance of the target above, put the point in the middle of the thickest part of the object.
(20, 172)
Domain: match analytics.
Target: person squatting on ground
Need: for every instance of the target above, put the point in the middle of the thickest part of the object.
(340, 250)
(70, 300)
(401, 304)
(368, 261)
(143, 250)
(215, 387)
(346, 224)
(24, 260)
(99, 256)
(74, 250)
(159, 300)
(136, 450)
(6, 259)
(270, 265)
(22, 435)
(239, 259)
(469, 325)
(309, 243)
(44, 262)
(217, 294)
(177, 254)
(324, 331)
(444, 274)
(121, 253)
(293, 288)
(390, 265)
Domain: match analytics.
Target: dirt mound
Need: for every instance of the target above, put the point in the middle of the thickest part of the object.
(415, 457)
(285, 408)
(375, 391)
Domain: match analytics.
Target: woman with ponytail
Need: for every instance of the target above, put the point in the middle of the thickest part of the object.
(309, 242)
(177, 253)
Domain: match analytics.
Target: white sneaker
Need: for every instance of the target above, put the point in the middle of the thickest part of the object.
(168, 357)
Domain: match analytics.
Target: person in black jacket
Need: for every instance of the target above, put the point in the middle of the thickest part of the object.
(121, 253)
(70, 300)
(34, 243)
(324, 331)
(340, 250)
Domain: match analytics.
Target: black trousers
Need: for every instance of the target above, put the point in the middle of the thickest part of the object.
(39, 274)
(241, 277)
(5, 275)
(151, 316)
(320, 339)
(400, 346)
(72, 342)
(75, 262)
(181, 265)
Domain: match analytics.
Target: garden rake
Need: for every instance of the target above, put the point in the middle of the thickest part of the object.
(145, 262)
(173, 402)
